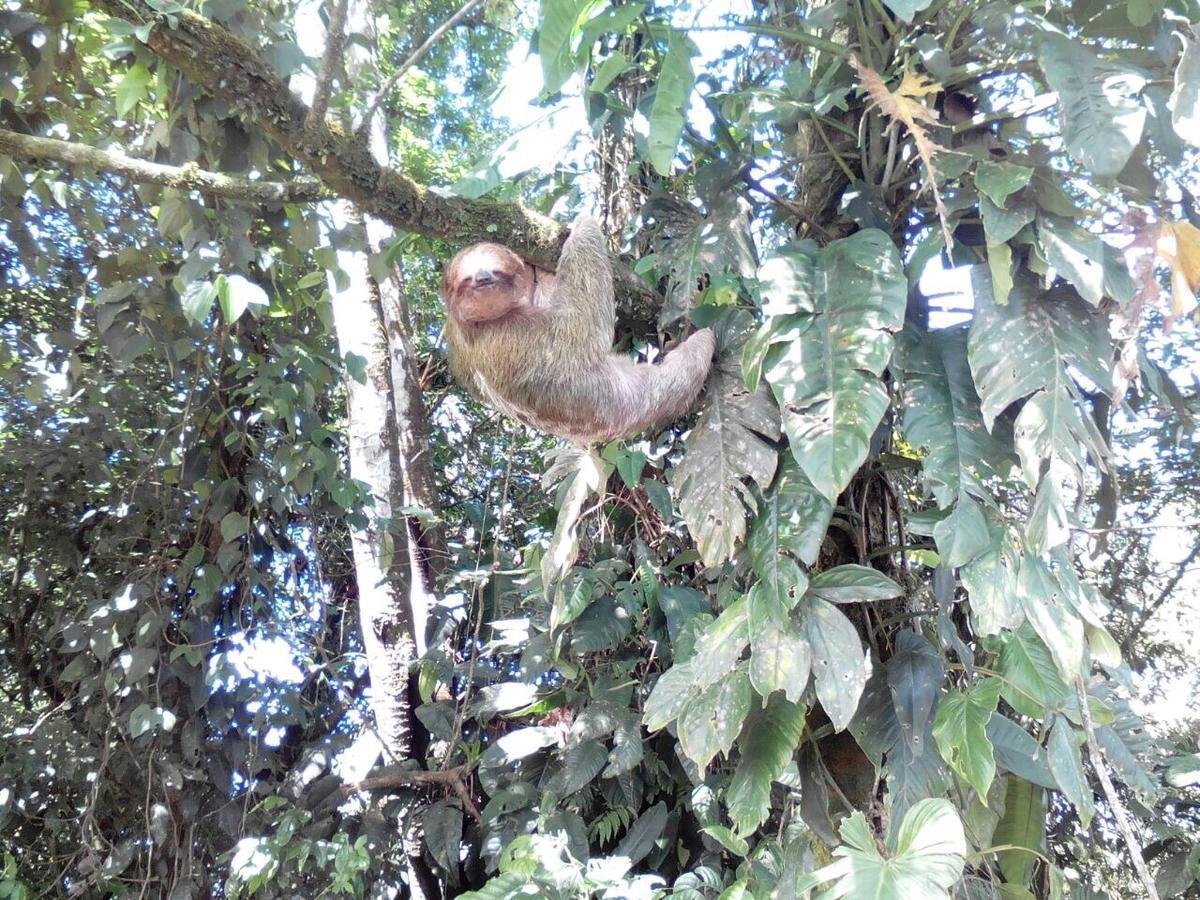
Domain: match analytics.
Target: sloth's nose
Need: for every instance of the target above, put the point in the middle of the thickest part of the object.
(484, 277)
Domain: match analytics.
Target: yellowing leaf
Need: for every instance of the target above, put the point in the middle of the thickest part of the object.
(904, 106)
(1179, 247)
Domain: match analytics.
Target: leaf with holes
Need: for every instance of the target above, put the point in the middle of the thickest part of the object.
(838, 662)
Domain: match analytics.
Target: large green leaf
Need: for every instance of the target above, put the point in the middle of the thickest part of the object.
(914, 675)
(1062, 754)
(765, 749)
(575, 769)
(792, 519)
(991, 583)
(780, 659)
(727, 446)
(711, 722)
(1102, 118)
(963, 534)
(1023, 826)
(1052, 616)
(1185, 98)
(1031, 683)
(960, 730)
(1017, 752)
(852, 583)
(925, 857)
(671, 92)
(558, 28)
(838, 662)
(1027, 345)
(826, 379)
(942, 414)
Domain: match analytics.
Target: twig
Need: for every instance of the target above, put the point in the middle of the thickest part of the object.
(413, 58)
(791, 206)
(454, 778)
(335, 40)
(189, 177)
(1110, 794)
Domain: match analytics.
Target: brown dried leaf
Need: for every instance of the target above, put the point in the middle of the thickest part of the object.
(1179, 247)
(904, 106)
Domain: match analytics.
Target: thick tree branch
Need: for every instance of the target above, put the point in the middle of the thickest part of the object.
(225, 65)
(114, 162)
(455, 779)
(415, 57)
(335, 40)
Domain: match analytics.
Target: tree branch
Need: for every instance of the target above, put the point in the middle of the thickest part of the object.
(415, 57)
(226, 66)
(335, 40)
(1110, 794)
(454, 778)
(189, 177)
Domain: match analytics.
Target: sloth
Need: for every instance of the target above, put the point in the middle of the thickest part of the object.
(537, 345)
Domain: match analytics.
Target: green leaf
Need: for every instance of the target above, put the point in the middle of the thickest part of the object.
(1078, 255)
(558, 27)
(727, 839)
(1027, 345)
(1185, 98)
(1052, 617)
(721, 644)
(792, 519)
(197, 300)
(905, 10)
(679, 606)
(996, 180)
(608, 71)
(1062, 754)
(991, 583)
(827, 378)
(580, 764)
(133, 88)
(771, 599)
(725, 449)
(1017, 752)
(238, 294)
(852, 583)
(1102, 115)
(1002, 225)
(516, 745)
(963, 534)
(1031, 683)
(942, 414)
(1023, 825)
(780, 659)
(960, 729)
(999, 258)
(838, 662)
(764, 751)
(924, 860)
(672, 91)
(640, 838)
(233, 526)
(671, 693)
(711, 722)
(914, 676)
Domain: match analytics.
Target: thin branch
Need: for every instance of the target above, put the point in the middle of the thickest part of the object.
(413, 58)
(1181, 569)
(455, 779)
(80, 156)
(335, 40)
(791, 206)
(1110, 794)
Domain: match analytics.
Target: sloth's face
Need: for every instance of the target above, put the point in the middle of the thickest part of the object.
(486, 283)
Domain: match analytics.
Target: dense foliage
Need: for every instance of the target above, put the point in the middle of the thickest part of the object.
(879, 619)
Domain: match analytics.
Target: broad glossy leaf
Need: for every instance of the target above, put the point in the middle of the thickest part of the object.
(1022, 825)
(792, 519)
(646, 829)
(1017, 752)
(905, 10)
(914, 675)
(679, 606)
(766, 748)
(722, 643)
(852, 583)
(1025, 346)
(1051, 424)
(963, 534)
(773, 597)
(942, 414)
(925, 859)
(1185, 98)
(578, 765)
(1052, 617)
(726, 449)
(780, 659)
(238, 293)
(1031, 683)
(517, 745)
(557, 30)
(1102, 119)
(671, 693)
(1078, 255)
(1002, 224)
(671, 92)
(711, 722)
(838, 661)
(960, 730)
(1062, 754)
(996, 180)
(991, 583)
(826, 380)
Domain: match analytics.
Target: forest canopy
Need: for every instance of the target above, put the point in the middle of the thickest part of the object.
(904, 607)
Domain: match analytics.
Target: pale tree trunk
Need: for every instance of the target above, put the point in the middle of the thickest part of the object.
(381, 549)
